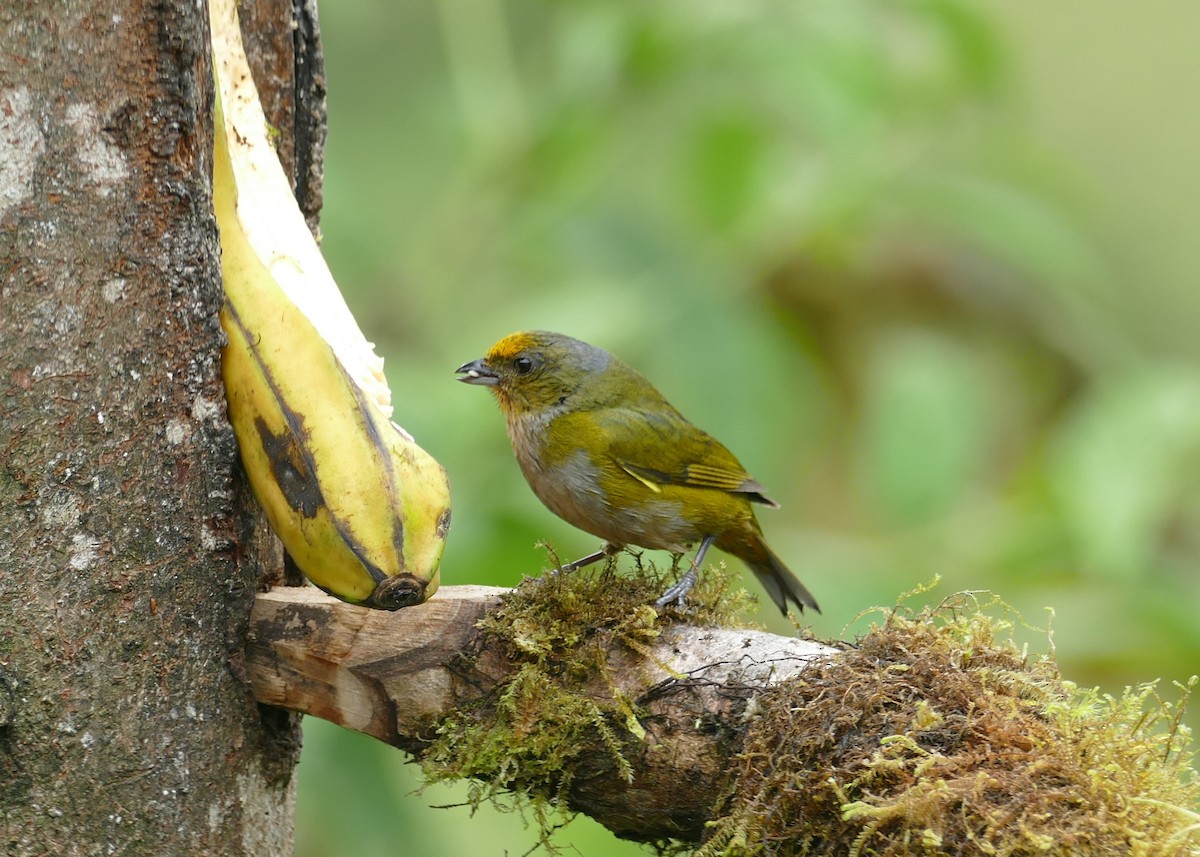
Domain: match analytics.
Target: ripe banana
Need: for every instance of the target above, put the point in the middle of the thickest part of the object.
(360, 507)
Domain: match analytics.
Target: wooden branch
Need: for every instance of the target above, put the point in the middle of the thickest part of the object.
(391, 675)
(929, 731)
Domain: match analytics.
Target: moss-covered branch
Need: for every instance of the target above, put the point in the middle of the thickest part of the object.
(632, 724)
(930, 735)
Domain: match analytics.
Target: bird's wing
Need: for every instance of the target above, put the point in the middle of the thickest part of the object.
(663, 448)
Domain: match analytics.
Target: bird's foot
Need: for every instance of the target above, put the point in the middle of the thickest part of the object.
(605, 552)
(677, 594)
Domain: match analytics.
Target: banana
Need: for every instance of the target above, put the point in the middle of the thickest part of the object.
(360, 507)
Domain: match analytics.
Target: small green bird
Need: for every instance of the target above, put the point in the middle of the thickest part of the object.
(604, 451)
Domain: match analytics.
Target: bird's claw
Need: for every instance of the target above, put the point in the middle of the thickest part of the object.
(677, 603)
(678, 593)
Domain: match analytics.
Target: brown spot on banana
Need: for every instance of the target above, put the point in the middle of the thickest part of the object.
(291, 470)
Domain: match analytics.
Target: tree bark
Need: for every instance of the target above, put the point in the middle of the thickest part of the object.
(283, 44)
(129, 550)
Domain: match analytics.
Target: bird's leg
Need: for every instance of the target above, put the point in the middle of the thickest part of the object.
(678, 593)
(609, 549)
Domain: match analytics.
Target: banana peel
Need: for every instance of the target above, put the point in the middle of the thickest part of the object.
(361, 508)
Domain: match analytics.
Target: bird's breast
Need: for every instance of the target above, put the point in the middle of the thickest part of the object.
(592, 493)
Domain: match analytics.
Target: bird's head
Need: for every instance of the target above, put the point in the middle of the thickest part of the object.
(537, 371)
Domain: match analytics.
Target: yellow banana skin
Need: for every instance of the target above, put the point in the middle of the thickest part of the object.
(359, 506)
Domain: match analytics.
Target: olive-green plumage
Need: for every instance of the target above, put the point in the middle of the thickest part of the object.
(603, 449)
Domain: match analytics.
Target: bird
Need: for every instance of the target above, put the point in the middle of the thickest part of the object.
(605, 451)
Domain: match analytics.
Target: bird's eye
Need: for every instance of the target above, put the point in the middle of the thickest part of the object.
(523, 365)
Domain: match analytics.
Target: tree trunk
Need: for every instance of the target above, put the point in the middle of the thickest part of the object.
(129, 550)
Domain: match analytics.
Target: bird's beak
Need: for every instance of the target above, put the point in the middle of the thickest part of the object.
(477, 372)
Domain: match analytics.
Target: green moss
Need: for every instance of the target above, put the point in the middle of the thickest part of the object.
(932, 734)
(935, 735)
(521, 745)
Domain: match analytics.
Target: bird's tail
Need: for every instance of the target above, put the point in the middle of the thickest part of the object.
(778, 580)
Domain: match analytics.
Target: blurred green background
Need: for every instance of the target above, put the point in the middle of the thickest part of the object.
(927, 268)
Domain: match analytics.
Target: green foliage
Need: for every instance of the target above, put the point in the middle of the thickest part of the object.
(1141, 431)
(929, 433)
(927, 274)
